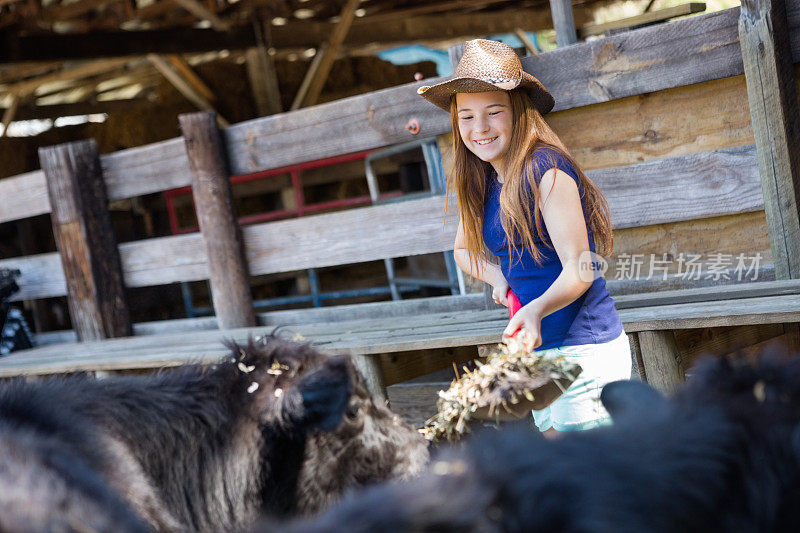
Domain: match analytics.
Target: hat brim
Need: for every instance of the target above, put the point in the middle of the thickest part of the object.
(441, 93)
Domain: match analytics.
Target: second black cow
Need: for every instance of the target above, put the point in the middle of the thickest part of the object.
(722, 455)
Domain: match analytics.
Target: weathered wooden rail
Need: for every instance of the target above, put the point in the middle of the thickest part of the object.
(668, 183)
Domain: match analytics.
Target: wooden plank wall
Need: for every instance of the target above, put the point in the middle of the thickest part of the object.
(643, 84)
(684, 52)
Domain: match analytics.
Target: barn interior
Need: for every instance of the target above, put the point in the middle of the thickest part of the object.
(121, 72)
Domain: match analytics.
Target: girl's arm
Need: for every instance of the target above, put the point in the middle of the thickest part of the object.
(563, 216)
(486, 272)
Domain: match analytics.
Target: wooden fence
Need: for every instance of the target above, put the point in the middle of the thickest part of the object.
(659, 117)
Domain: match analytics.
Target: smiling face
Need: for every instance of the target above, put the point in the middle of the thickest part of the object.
(485, 124)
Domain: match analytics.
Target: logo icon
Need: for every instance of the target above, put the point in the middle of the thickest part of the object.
(591, 266)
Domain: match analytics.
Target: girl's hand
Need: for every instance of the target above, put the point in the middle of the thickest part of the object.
(529, 322)
(500, 290)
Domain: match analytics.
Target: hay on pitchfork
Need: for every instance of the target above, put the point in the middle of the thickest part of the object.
(511, 379)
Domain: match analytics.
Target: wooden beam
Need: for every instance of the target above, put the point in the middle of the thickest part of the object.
(736, 291)
(187, 73)
(156, 9)
(300, 35)
(427, 8)
(736, 184)
(85, 239)
(263, 80)
(28, 112)
(24, 88)
(329, 52)
(648, 17)
(20, 71)
(311, 73)
(184, 87)
(261, 72)
(421, 28)
(123, 75)
(563, 22)
(73, 10)
(529, 46)
(8, 114)
(222, 237)
(203, 13)
(764, 35)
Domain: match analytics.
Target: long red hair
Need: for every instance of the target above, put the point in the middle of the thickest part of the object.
(521, 223)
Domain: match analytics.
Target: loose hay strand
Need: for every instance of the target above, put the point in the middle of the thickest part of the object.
(507, 376)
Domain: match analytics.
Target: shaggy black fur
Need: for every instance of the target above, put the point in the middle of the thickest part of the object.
(209, 449)
(722, 455)
(50, 471)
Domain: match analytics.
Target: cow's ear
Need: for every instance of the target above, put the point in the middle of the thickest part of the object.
(321, 396)
(628, 398)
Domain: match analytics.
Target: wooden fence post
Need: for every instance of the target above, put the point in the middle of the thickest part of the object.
(637, 361)
(659, 353)
(85, 240)
(369, 366)
(764, 40)
(213, 200)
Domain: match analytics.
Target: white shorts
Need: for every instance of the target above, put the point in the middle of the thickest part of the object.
(579, 407)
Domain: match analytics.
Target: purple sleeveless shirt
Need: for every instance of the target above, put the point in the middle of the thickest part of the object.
(590, 319)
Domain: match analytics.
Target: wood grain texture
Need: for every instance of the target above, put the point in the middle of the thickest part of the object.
(767, 310)
(637, 362)
(289, 317)
(263, 80)
(669, 123)
(415, 402)
(29, 193)
(682, 188)
(648, 17)
(400, 367)
(222, 237)
(660, 358)
(645, 127)
(675, 54)
(370, 369)
(744, 233)
(563, 22)
(709, 294)
(391, 336)
(695, 343)
(146, 169)
(764, 33)
(85, 240)
(667, 190)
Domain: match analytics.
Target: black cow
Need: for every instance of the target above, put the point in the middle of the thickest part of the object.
(53, 474)
(722, 455)
(208, 449)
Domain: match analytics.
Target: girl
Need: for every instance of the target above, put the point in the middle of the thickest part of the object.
(522, 196)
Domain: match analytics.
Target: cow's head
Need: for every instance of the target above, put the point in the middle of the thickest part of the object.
(371, 444)
(322, 403)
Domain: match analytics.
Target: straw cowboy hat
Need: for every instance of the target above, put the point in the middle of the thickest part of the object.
(488, 66)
